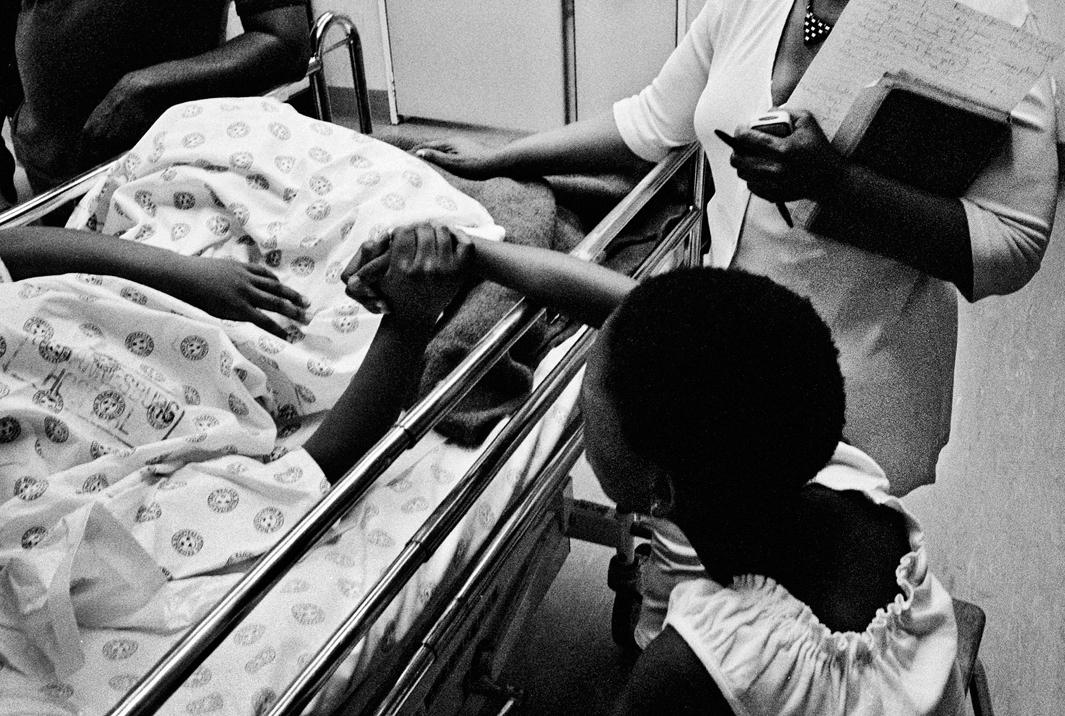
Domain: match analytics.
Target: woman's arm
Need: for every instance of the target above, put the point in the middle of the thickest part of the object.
(589, 146)
(271, 50)
(222, 287)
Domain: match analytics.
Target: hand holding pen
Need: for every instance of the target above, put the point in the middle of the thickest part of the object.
(784, 164)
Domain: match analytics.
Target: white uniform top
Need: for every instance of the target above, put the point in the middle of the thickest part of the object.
(768, 653)
(895, 326)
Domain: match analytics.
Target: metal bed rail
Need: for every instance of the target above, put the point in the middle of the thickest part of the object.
(38, 206)
(515, 527)
(183, 658)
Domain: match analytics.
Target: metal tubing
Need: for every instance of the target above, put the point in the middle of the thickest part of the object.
(433, 531)
(521, 520)
(320, 89)
(36, 207)
(606, 230)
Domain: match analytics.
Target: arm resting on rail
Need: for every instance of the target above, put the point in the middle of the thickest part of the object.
(222, 287)
(586, 147)
(585, 291)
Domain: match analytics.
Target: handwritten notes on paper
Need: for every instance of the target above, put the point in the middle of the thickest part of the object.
(946, 43)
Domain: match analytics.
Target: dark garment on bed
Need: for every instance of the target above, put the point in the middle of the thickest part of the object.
(71, 53)
(531, 216)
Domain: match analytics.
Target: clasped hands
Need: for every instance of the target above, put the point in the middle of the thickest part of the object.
(412, 273)
(802, 165)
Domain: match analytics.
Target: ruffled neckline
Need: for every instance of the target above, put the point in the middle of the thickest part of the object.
(910, 574)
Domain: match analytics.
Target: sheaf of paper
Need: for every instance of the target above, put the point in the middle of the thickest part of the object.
(946, 43)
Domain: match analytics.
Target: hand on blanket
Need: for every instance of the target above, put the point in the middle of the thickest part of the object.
(241, 292)
(412, 274)
(118, 121)
(463, 157)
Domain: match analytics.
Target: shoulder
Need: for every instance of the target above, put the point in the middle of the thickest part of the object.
(841, 555)
(668, 678)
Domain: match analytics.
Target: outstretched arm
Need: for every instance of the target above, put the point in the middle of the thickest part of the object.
(586, 147)
(222, 287)
(585, 291)
(420, 277)
(271, 50)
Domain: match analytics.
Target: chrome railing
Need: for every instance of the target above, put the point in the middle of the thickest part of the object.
(48, 201)
(183, 658)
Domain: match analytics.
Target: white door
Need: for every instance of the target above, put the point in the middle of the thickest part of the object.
(497, 63)
(619, 45)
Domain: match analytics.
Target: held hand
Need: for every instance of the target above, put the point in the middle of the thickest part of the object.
(802, 165)
(463, 157)
(414, 275)
(118, 121)
(241, 292)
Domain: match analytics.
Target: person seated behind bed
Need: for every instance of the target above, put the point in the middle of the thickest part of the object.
(95, 74)
(715, 396)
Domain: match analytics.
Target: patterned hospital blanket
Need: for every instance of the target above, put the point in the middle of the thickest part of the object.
(149, 451)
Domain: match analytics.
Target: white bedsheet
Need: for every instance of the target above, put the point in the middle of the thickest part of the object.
(140, 465)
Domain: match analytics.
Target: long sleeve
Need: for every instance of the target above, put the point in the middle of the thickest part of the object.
(661, 116)
(1010, 207)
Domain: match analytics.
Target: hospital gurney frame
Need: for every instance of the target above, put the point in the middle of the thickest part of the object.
(540, 515)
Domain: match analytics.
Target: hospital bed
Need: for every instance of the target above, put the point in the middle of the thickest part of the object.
(399, 647)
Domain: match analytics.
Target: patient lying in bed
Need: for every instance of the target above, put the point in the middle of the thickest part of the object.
(152, 405)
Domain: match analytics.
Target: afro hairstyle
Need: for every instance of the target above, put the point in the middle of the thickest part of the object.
(726, 374)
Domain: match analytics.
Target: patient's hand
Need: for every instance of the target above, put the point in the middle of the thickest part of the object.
(241, 292)
(413, 274)
(463, 157)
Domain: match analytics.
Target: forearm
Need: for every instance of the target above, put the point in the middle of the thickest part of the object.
(589, 146)
(247, 64)
(580, 289)
(369, 406)
(30, 251)
(927, 232)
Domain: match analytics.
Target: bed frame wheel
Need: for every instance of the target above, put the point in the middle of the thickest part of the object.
(623, 577)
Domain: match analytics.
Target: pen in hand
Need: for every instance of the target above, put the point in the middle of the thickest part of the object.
(777, 123)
